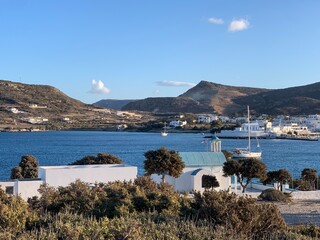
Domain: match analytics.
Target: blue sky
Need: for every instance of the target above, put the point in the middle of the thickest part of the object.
(125, 49)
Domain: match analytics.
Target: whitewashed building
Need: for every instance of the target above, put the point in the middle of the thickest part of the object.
(64, 175)
(313, 122)
(178, 123)
(198, 164)
(207, 118)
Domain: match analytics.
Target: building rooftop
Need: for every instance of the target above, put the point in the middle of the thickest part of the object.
(85, 166)
(193, 159)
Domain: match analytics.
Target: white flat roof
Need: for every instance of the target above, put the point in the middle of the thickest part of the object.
(87, 166)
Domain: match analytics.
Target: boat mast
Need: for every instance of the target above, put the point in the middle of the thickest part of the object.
(249, 143)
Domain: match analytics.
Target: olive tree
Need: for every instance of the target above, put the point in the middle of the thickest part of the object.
(209, 181)
(101, 158)
(163, 162)
(245, 170)
(310, 176)
(280, 176)
(28, 168)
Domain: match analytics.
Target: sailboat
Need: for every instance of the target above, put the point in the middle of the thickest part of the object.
(246, 152)
(164, 132)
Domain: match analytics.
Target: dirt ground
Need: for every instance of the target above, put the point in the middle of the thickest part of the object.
(301, 211)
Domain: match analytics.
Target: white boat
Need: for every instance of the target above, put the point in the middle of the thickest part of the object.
(246, 152)
(242, 132)
(164, 133)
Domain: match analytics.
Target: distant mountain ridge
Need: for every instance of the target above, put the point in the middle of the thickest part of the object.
(208, 97)
(50, 100)
(291, 101)
(113, 103)
(168, 105)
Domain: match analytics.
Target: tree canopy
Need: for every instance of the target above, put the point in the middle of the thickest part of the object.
(101, 158)
(28, 168)
(310, 176)
(163, 162)
(245, 170)
(280, 176)
(209, 181)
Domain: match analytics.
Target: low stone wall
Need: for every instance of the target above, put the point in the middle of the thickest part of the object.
(306, 195)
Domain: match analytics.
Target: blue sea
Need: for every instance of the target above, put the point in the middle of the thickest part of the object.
(64, 147)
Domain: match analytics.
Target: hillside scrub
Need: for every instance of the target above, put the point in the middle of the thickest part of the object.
(141, 210)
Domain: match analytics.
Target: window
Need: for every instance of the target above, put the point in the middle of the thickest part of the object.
(9, 190)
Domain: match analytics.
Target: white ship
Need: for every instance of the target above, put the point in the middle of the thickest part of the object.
(242, 132)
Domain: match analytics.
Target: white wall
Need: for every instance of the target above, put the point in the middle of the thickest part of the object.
(23, 188)
(28, 189)
(5, 184)
(188, 182)
(64, 175)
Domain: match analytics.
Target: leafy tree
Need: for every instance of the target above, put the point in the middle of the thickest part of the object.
(101, 158)
(16, 173)
(163, 162)
(310, 176)
(245, 170)
(280, 176)
(216, 126)
(227, 154)
(209, 181)
(28, 168)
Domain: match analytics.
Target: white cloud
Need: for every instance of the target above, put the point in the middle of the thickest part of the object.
(156, 92)
(215, 20)
(175, 84)
(97, 87)
(238, 25)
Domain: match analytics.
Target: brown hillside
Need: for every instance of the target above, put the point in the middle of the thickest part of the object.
(291, 101)
(220, 97)
(49, 99)
(168, 105)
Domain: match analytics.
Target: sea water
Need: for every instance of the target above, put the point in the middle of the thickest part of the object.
(64, 147)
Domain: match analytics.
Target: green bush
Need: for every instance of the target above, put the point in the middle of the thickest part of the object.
(13, 212)
(242, 214)
(274, 195)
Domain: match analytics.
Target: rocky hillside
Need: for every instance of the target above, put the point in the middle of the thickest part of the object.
(205, 97)
(41, 99)
(25, 107)
(291, 101)
(168, 105)
(211, 97)
(220, 97)
(113, 103)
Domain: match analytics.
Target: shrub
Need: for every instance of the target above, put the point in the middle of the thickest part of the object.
(101, 158)
(274, 195)
(13, 212)
(242, 214)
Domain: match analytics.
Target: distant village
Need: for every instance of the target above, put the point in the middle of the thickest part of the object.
(263, 126)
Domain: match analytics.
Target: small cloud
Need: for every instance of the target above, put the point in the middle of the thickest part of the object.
(97, 87)
(156, 92)
(238, 25)
(175, 84)
(215, 20)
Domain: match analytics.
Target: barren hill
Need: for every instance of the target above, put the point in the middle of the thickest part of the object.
(113, 103)
(208, 97)
(220, 97)
(42, 99)
(292, 101)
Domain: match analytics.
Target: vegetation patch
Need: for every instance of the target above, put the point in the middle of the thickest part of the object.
(274, 195)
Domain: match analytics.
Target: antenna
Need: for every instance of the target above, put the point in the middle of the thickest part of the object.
(249, 129)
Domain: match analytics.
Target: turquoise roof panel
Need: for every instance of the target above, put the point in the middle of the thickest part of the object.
(198, 159)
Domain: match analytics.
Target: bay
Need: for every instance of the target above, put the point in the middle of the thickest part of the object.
(64, 147)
